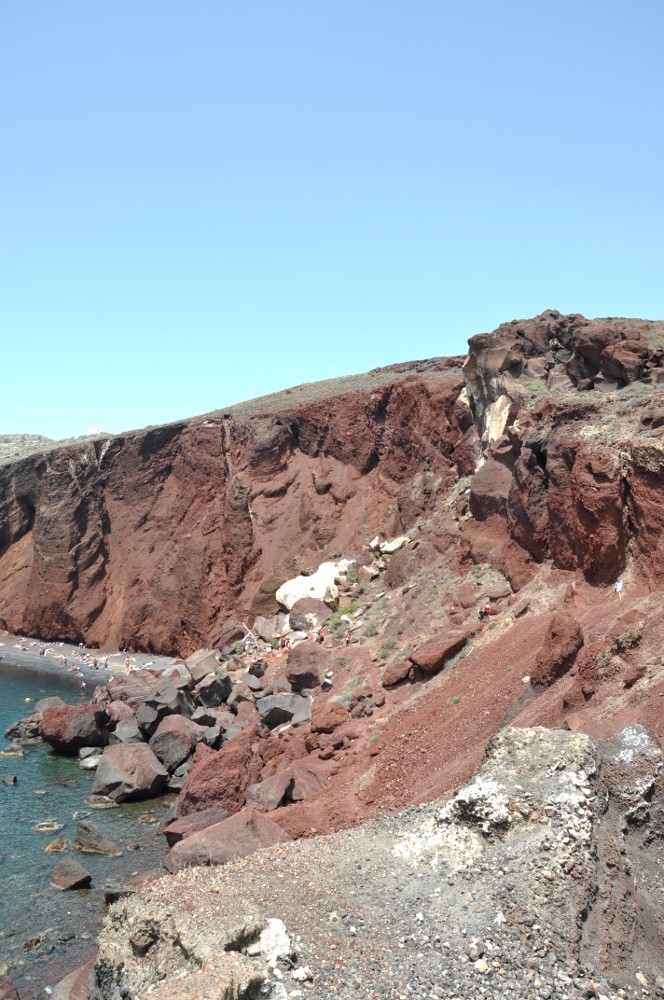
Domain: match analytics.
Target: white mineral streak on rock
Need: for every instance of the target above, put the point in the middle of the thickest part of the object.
(317, 585)
(495, 418)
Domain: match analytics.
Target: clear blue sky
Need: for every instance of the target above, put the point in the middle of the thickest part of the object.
(203, 202)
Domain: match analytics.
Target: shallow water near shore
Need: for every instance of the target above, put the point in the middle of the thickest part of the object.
(55, 788)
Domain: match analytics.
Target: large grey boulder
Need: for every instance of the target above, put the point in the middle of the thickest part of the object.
(175, 740)
(129, 772)
(126, 731)
(277, 709)
(214, 689)
(264, 628)
(166, 699)
(25, 730)
(201, 663)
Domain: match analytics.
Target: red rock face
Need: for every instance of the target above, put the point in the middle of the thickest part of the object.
(67, 728)
(152, 540)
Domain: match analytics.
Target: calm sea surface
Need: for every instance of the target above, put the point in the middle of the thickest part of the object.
(55, 788)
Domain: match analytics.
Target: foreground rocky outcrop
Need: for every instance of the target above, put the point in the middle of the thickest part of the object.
(539, 878)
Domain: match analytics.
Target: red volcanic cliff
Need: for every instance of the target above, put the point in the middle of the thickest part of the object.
(150, 540)
(153, 539)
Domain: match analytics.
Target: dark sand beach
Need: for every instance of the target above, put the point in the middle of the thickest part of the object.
(75, 663)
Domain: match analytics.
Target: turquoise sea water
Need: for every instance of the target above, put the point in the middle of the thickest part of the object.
(55, 788)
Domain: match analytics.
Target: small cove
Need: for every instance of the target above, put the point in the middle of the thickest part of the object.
(55, 788)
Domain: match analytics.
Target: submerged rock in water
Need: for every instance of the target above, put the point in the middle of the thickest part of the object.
(49, 826)
(91, 840)
(59, 844)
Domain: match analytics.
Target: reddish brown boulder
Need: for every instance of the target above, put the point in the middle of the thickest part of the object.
(268, 794)
(7, 989)
(326, 716)
(305, 780)
(184, 827)
(489, 490)
(527, 509)
(557, 655)
(235, 837)
(118, 711)
(468, 594)
(395, 672)
(468, 452)
(129, 771)
(221, 778)
(596, 484)
(308, 614)
(67, 728)
(307, 664)
(633, 674)
(75, 985)
(229, 633)
(432, 656)
(175, 740)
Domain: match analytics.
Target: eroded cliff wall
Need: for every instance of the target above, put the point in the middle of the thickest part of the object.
(150, 540)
